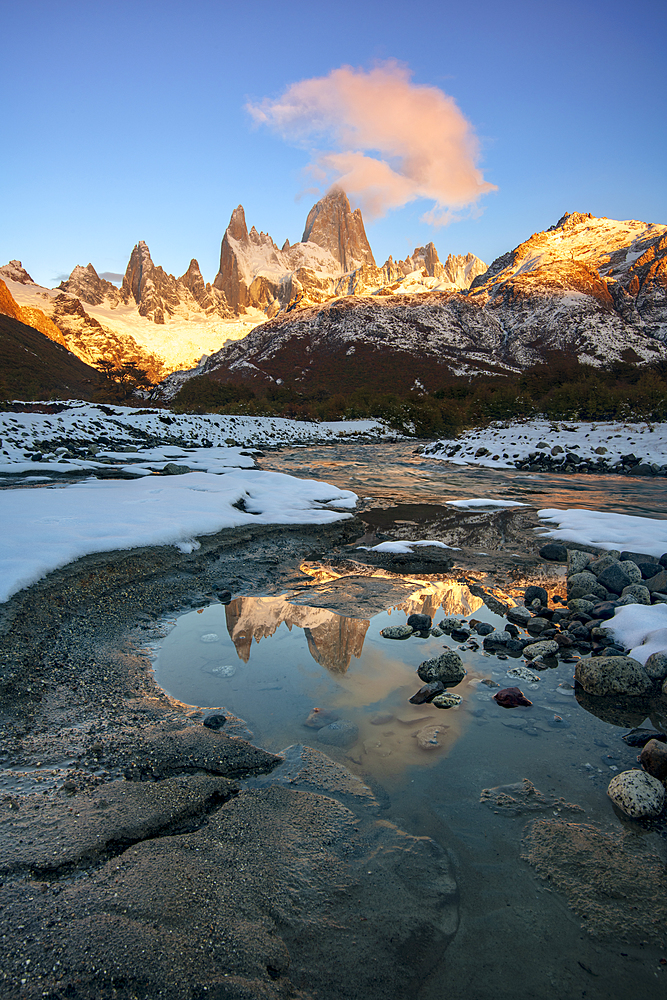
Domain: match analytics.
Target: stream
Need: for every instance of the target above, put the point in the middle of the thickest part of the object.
(286, 664)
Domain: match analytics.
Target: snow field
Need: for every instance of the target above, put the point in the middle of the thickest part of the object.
(45, 529)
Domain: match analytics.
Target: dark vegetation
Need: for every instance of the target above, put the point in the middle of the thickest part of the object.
(563, 389)
(34, 367)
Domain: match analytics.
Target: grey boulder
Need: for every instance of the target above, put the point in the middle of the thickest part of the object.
(608, 675)
(448, 668)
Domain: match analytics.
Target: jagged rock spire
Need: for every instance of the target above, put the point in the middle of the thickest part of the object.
(332, 224)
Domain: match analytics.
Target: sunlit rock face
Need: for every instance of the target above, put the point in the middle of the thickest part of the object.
(333, 643)
(587, 288)
(332, 225)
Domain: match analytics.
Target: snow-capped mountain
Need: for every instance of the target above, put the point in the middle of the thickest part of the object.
(590, 288)
(166, 323)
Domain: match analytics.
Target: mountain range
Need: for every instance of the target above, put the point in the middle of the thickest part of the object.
(591, 289)
(164, 323)
(321, 313)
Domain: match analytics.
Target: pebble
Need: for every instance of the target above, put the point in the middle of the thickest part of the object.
(523, 674)
(397, 632)
(484, 628)
(320, 717)
(220, 670)
(637, 794)
(381, 719)
(447, 700)
(511, 697)
(209, 637)
(427, 692)
(215, 721)
(545, 647)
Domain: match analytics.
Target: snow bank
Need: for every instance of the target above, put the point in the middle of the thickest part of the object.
(480, 502)
(44, 529)
(640, 628)
(405, 547)
(608, 531)
(86, 437)
(502, 446)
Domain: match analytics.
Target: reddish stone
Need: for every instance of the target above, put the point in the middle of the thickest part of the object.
(511, 698)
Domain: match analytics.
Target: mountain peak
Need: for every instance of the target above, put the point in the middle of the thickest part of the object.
(332, 225)
(15, 271)
(237, 227)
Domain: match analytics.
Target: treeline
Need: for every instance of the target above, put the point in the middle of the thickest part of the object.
(560, 391)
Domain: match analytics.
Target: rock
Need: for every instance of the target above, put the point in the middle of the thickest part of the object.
(319, 718)
(637, 794)
(448, 668)
(632, 570)
(576, 561)
(427, 738)
(523, 673)
(171, 469)
(447, 700)
(397, 632)
(215, 720)
(419, 622)
(608, 675)
(554, 552)
(511, 697)
(537, 625)
(579, 604)
(223, 595)
(536, 593)
(647, 569)
(515, 646)
(656, 666)
(604, 610)
(546, 647)
(520, 616)
(582, 583)
(640, 737)
(654, 759)
(484, 628)
(657, 582)
(658, 598)
(496, 638)
(341, 733)
(641, 594)
(614, 578)
(427, 693)
(638, 557)
(663, 560)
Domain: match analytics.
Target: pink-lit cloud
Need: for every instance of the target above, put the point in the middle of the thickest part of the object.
(390, 141)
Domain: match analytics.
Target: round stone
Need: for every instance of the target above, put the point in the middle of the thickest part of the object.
(419, 622)
(215, 720)
(397, 632)
(448, 668)
(637, 794)
(447, 700)
(546, 647)
(656, 666)
(641, 594)
(209, 637)
(654, 759)
(605, 675)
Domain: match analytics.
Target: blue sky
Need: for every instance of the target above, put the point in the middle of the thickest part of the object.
(127, 121)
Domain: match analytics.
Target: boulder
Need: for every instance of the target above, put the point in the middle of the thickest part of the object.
(448, 668)
(609, 675)
(614, 578)
(397, 632)
(576, 561)
(447, 700)
(511, 697)
(637, 794)
(554, 552)
(496, 638)
(656, 666)
(520, 616)
(536, 593)
(420, 622)
(641, 594)
(654, 759)
(631, 569)
(427, 693)
(657, 582)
